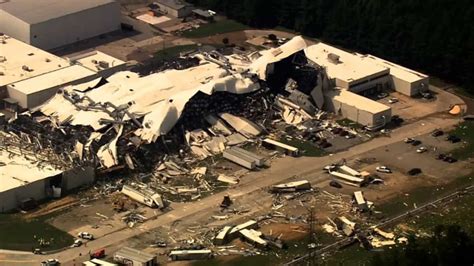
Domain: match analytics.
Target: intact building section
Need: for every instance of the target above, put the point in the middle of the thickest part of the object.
(360, 109)
(175, 8)
(101, 63)
(403, 80)
(349, 71)
(49, 24)
(34, 91)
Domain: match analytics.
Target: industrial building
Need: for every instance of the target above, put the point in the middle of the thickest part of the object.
(22, 179)
(349, 71)
(360, 109)
(366, 74)
(48, 24)
(29, 76)
(402, 79)
(175, 8)
(34, 91)
(103, 64)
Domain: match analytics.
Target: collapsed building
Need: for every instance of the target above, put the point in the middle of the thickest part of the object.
(151, 123)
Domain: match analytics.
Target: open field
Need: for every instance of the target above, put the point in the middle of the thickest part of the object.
(18, 233)
(217, 27)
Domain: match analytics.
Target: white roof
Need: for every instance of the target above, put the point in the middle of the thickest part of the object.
(52, 79)
(360, 102)
(398, 71)
(35, 11)
(15, 54)
(91, 60)
(351, 67)
(19, 171)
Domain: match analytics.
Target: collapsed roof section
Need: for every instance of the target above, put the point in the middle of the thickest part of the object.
(159, 98)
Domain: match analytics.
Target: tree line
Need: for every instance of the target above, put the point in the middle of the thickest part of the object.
(434, 36)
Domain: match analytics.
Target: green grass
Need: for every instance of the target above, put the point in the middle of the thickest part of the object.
(17, 233)
(465, 131)
(422, 195)
(173, 52)
(349, 123)
(306, 148)
(214, 28)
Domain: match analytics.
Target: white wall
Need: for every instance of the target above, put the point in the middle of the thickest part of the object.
(14, 27)
(76, 27)
(77, 177)
(17, 95)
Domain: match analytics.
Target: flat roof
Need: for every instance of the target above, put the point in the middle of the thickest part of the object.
(35, 11)
(398, 71)
(360, 102)
(91, 60)
(135, 255)
(17, 171)
(350, 67)
(14, 55)
(52, 79)
(174, 4)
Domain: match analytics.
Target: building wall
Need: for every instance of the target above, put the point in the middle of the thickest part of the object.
(14, 27)
(77, 177)
(10, 199)
(17, 95)
(3, 92)
(76, 27)
(168, 10)
(363, 117)
(40, 97)
(383, 81)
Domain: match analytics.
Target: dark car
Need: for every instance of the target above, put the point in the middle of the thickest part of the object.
(335, 184)
(397, 120)
(325, 145)
(453, 138)
(343, 133)
(336, 130)
(437, 133)
(441, 156)
(450, 159)
(414, 171)
(416, 143)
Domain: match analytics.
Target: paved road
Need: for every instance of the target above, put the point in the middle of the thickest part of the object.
(281, 170)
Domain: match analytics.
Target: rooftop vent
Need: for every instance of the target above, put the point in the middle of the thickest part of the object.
(334, 58)
(3, 59)
(26, 68)
(104, 64)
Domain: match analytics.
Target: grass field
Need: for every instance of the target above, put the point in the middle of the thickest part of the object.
(466, 132)
(305, 147)
(214, 28)
(17, 233)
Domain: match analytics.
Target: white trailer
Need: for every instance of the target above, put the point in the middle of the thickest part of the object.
(145, 196)
(191, 254)
(239, 159)
(259, 160)
(347, 179)
(349, 170)
(276, 145)
(292, 186)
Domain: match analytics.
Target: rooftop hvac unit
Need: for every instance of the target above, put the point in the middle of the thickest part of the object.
(333, 58)
(3, 59)
(104, 64)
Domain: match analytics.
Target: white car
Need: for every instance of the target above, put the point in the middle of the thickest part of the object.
(383, 169)
(393, 100)
(85, 235)
(77, 243)
(421, 149)
(50, 262)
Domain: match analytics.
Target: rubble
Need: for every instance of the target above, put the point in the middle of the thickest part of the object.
(291, 187)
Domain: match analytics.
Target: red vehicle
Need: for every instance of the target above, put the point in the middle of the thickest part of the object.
(98, 254)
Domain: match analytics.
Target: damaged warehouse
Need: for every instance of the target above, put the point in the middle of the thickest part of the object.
(165, 123)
